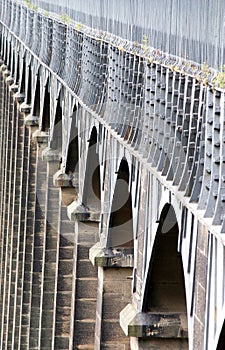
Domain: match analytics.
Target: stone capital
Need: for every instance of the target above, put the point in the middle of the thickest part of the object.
(31, 120)
(51, 155)
(19, 97)
(25, 108)
(111, 257)
(40, 136)
(61, 179)
(153, 324)
(78, 211)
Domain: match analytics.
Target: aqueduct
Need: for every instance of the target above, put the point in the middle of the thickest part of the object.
(112, 190)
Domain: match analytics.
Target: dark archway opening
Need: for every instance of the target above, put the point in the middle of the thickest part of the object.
(6, 52)
(221, 342)
(73, 150)
(121, 223)
(36, 110)
(23, 79)
(17, 77)
(92, 189)
(165, 286)
(46, 110)
(10, 57)
(29, 86)
(1, 45)
(56, 142)
(13, 63)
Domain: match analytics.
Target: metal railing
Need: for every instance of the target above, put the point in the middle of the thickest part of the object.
(190, 29)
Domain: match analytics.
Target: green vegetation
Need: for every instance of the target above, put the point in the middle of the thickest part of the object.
(65, 18)
(46, 12)
(31, 6)
(220, 78)
(205, 69)
(79, 26)
(145, 44)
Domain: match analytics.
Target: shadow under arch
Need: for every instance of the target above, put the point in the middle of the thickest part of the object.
(13, 63)
(92, 187)
(120, 232)
(29, 86)
(36, 108)
(46, 109)
(72, 163)
(23, 77)
(17, 69)
(56, 142)
(5, 51)
(11, 54)
(165, 285)
(221, 342)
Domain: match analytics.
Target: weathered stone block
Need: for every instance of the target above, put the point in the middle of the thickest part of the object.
(62, 328)
(47, 316)
(48, 300)
(84, 332)
(112, 331)
(50, 255)
(85, 309)
(61, 343)
(86, 269)
(65, 283)
(125, 345)
(64, 299)
(201, 268)
(37, 266)
(200, 303)
(113, 303)
(46, 338)
(86, 288)
(36, 300)
(34, 334)
(198, 337)
(63, 313)
(163, 344)
(65, 267)
(66, 253)
(82, 251)
(67, 239)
